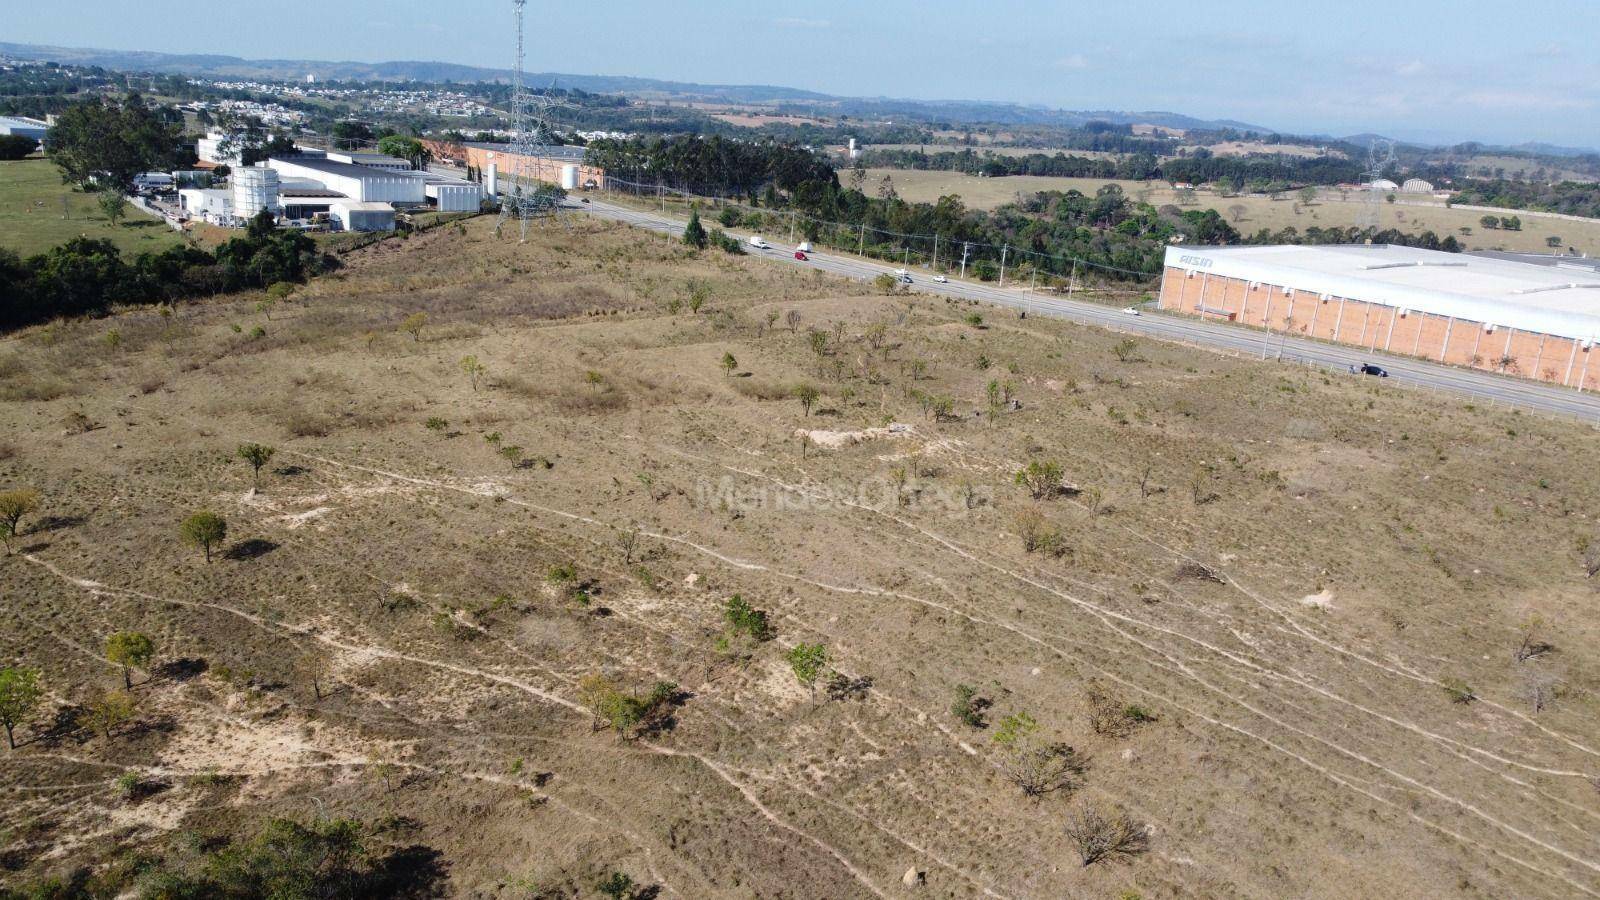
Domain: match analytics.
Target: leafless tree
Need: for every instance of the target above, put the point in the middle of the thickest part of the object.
(1539, 688)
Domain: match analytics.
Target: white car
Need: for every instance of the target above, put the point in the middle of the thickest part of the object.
(1132, 311)
(940, 279)
(759, 244)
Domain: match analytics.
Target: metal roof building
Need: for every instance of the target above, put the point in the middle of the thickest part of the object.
(356, 182)
(1481, 311)
(23, 126)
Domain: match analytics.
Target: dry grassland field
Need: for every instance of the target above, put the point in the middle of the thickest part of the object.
(1276, 616)
(1259, 212)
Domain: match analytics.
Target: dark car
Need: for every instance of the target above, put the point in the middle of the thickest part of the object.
(1370, 369)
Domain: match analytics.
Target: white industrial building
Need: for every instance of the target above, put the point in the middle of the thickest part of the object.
(356, 182)
(210, 149)
(353, 215)
(352, 190)
(24, 127)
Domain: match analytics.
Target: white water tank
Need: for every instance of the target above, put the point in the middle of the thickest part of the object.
(569, 177)
(256, 188)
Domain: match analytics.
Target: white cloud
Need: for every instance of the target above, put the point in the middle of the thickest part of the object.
(1075, 61)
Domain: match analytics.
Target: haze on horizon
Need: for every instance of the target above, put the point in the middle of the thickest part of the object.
(1427, 71)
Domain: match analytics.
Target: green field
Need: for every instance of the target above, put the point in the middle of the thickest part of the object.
(1256, 213)
(31, 220)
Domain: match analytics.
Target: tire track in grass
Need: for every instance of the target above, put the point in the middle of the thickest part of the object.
(515, 683)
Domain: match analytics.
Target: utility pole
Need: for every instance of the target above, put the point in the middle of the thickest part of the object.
(964, 249)
(861, 246)
(1072, 283)
(906, 263)
(936, 252)
(1004, 252)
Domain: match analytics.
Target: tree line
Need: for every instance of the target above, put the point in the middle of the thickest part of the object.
(88, 276)
(1203, 167)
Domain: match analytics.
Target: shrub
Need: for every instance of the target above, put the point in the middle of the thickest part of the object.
(1039, 536)
(1035, 765)
(1100, 835)
(967, 706)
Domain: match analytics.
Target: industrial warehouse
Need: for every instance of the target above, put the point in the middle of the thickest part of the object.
(350, 191)
(1537, 320)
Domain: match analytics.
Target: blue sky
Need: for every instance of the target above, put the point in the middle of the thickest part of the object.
(1428, 70)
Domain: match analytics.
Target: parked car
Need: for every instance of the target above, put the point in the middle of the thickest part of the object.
(940, 279)
(1370, 369)
(1131, 311)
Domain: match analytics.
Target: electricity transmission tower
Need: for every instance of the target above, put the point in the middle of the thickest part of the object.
(1379, 159)
(528, 197)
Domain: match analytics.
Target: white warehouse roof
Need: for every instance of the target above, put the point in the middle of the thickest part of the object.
(1556, 300)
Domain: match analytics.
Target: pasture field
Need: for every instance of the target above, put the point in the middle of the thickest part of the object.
(31, 195)
(1306, 635)
(1261, 212)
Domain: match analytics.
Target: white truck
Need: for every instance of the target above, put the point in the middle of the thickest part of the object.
(805, 247)
(757, 242)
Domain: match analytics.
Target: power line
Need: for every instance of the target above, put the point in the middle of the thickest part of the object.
(1003, 249)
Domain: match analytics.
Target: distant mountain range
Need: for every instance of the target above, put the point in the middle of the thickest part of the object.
(218, 66)
(795, 99)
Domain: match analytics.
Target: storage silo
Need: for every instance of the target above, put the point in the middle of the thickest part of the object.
(256, 188)
(569, 177)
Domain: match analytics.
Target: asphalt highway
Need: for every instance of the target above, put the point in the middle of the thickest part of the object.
(1413, 373)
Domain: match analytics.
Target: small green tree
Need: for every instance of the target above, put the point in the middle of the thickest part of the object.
(13, 506)
(807, 395)
(473, 369)
(204, 529)
(742, 618)
(886, 282)
(257, 455)
(110, 709)
(413, 325)
(729, 363)
(1042, 478)
(967, 707)
(19, 696)
(130, 650)
(617, 886)
(694, 234)
(113, 204)
(808, 662)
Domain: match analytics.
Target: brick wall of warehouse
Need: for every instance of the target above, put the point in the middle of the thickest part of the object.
(1376, 326)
